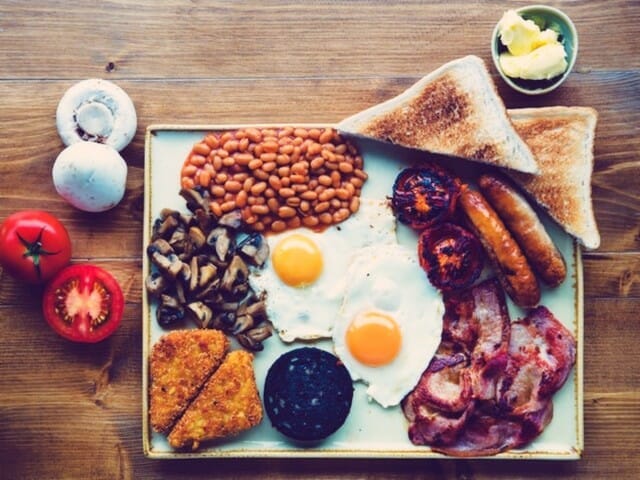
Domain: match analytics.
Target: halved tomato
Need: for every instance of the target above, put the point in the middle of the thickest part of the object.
(83, 303)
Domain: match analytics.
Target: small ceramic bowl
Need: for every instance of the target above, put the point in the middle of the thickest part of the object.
(568, 37)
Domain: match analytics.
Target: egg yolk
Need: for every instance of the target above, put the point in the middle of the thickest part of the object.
(374, 338)
(297, 260)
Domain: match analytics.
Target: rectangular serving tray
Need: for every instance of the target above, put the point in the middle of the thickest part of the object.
(370, 430)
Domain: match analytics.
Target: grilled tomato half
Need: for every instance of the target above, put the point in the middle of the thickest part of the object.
(83, 303)
(451, 255)
(425, 196)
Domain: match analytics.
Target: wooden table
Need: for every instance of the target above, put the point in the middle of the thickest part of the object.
(74, 411)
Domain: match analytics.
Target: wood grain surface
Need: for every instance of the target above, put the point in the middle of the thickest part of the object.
(74, 411)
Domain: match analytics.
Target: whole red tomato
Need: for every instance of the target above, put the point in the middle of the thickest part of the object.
(83, 303)
(34, 246)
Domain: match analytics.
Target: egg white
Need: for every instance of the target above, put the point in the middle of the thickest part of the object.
(389, 279)
(308, 313)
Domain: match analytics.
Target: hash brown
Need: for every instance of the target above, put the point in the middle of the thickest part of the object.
(228, 404)
(180, 363)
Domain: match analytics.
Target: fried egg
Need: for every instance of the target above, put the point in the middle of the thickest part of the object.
(305, 276)
(390, 322)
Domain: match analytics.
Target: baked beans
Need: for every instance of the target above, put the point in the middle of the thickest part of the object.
(279, 178)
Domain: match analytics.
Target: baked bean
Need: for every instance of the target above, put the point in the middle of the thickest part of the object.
(354, 205)
(260, 174)
(286, 181)
(269, 166)
(205, 178)
(278, 226)
(217, 163)
(327, 195)
(296, 154)
(293, 202)
(301, 132)
(329, 156)
(299, 168)
(243, 144)
(231, 146)
(283, 159)
(356, 182)
(331, 165)
(335, 203)
(360, 174)
(240, 177)
(248, 183)
(293, 222)
(314, 133)
(275, 183)
(321, 207)
(325, 180)
(345, 167)
(260, 209)
(222, 153)
(284, 171)
(212, 141)
(270, 146)
(325, 218)
(243, 159)
(232, 186)
(253, 134)
(317, 163)
(350, 188)
(228, 206)
(215, 209)
(300, 187)
(358, 162)
(309, 195)
(187, 182)
(305, 206)
(225, 137)
(273, 204)
(269, 192)
(221, 178)
(341, 149)
(286, 131)
(343, 194)
(257, 150)
(310, 221)
(202, 149)
(314, 149)
(287, 149)
(296, 178)
(228, 162)
(335, 179)
(326, 136)
(197, 160)
(286, 192)
(241, 198)
(269, 157)
(255, 164)
(341, 215)
(189, 170)
(286, 212)
(258, 226)
(258, 188)
(217, 191)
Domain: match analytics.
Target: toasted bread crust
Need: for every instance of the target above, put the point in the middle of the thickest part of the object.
(180, 362)
(455, 111)
(562, 141)
(228, 404)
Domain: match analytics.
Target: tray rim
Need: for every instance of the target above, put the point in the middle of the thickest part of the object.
(575, 453)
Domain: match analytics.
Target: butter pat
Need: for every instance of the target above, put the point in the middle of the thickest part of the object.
(532, 54)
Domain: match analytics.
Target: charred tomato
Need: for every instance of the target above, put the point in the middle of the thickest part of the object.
(451, 255)
(425, 196)
(83, 303)
(34, 246)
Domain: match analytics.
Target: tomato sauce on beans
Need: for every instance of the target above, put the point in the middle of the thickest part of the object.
(280, 178)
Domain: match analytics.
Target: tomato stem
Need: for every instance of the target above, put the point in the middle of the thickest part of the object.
(34, 250)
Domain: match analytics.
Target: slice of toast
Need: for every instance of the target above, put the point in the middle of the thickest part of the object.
(179, 365)
(455, 111)
(228, 404)
(562, 139)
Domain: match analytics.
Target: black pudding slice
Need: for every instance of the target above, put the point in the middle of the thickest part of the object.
(307, 394)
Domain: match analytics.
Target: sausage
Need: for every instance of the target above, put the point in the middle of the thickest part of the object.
(513, 269)
(525, 226)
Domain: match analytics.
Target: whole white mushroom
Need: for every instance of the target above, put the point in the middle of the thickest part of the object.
(96, 110)
(90, 176)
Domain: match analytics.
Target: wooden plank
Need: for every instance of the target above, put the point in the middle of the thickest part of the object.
(278, 38)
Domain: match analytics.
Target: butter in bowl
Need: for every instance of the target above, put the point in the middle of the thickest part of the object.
(534, 48)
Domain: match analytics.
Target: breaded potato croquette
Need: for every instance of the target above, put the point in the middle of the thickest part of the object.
(179, 365)
(228, 404)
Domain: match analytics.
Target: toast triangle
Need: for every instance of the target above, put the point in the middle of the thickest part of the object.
(456, 111)
(562, 140)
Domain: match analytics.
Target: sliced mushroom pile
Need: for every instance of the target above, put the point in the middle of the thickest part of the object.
(202, 268)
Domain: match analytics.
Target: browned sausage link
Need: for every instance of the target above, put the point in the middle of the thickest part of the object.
(513, 270)
(525, 226)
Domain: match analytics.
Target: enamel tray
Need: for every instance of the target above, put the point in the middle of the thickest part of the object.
(370, 430)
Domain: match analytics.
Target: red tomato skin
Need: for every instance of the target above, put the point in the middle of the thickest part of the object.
(79, 330)
(32, 226)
